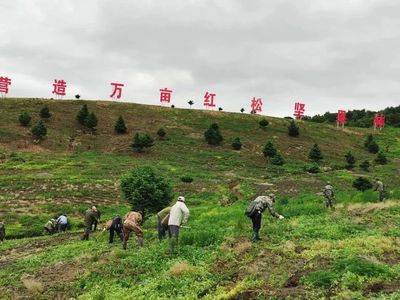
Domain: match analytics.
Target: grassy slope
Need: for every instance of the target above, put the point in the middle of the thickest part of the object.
(310, 249)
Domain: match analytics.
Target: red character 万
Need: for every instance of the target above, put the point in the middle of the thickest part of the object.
(117, 90)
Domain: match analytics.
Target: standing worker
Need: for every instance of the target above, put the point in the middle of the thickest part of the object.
(62, 223)
(2, 231)
(162, 222)
(132, 222)
(90, 218)
(255, 210)
(179, 214)
(380, 188)
(329, 195)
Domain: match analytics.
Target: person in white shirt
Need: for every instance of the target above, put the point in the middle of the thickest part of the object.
(178, 215)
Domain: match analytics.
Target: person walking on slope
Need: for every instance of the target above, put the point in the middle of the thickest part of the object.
(114, 225)
(90, 219)
(329, 195)
(178, 215)
(62, 223)
(162, 222)
(2, 231)
(255, 210)
(380, 188)
(132, 222)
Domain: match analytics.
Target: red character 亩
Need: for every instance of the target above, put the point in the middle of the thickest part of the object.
(117, 92)
(209, 99)
(59, 87)
(4, 83)
(256, 105)
(299, 110)
(165, 95)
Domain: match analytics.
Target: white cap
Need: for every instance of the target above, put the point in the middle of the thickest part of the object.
(181, 198)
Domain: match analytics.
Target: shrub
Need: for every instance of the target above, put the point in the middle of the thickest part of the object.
(322, 278)
(119, 126)
(373, 147)
(269, 150)
(82, 114)
(187, 179)
(236, 144)
(263, 123)
(213, 135)
(277, 160)
(314, 169)
(362, 184)
(77, 96)
(91, 121)
(39, 130)
(381, 158)
(45, 113)
(315, 153)
(242, 110)
(365, 165)
(161, 133)
(220, 108)
(350, 160)
(293, 129)
(146, 190)
(361, 267)
(368, 140)
(24, 119)
(141, 141)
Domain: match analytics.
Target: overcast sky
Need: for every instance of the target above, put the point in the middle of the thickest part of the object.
(330, 55)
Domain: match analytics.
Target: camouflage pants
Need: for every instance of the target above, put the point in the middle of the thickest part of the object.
(381, 195)
(2, 234)
(328, 202)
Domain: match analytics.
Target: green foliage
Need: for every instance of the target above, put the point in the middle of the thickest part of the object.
(91, 121)
(82, 114)
(365, 165)
(315, 153)
(360, 266)
(293, 129)
(373, 147)
(161, 133)
(381, 158)
(269, 150)
(187, 178)
(321, 279)
(263, 123)
(277, 160)
(45, 112)
(120, 126)
(236, 144)
(24, 119)
(369, 139)
(314, 169)
(213, 135)
(142, 141)
(362, 184)
(39, 130)
(146, 190)
(350, 159)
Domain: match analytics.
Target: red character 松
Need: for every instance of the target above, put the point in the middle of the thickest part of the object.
(4, 83)
(256, 105)
(209, 99)
(59, 87)
(165, 95)
(299, 110)
(117, 92)
(379, 121)
(341, 118)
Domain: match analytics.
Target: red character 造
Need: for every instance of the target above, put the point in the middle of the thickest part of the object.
(209, 99)
(341, 118)
(256, 105)
(165, 95)
(4, 83)
(59, 87)
(117, 92)
(299, 110)
(379, 121)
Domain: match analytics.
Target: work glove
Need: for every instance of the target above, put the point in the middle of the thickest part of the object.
(281, 217)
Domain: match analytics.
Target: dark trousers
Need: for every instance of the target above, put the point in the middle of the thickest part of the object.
(256, 219)
(162, 230)
(381, 195)
(88, 227)
(114, 229)
(62, 227)
(173, 231)
(2, 234)
(93, 226)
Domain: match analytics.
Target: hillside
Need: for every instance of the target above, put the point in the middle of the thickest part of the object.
(351, 252)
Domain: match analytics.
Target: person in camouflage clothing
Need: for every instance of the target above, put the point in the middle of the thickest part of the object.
(50, 226)
(162, 222)
(132, 222)
(329, 195)
(380, 188)
(90, 218)
(2, 231)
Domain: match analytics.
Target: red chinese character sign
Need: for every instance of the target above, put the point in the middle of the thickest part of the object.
(341, 118)
(117, 90)
(59, 87)
(209, 99)
(379, 121)
(4, 83)
(165, 95)
(256, 105)
(299, 110)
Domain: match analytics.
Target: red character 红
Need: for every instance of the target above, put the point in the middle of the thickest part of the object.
(209, 99)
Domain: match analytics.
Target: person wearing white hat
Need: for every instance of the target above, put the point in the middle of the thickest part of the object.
(178, 215)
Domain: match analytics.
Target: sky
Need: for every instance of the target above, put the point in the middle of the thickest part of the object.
(329, 55)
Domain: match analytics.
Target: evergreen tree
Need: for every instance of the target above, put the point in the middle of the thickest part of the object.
(39, 130)
(91, 121)
(45, 113)
(365, 165)
(277, 160)
(293, 129)
(119, 126)
(161, 133)
(269, 150)
(362, 184)
(368, 140)
(24, 119)
(242, 110)
(213, 135)
(381, 158)
(190, 103)
(350, 159)
(263, 123)
(142, 141)
(315, 153)
(82, 114)
(373, 147)
(236, 144)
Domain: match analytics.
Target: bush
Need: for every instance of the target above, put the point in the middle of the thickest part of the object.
(39, 130)
(373, 147)
(314, 169)
(368, 140)
(277, 160)
(236, 144)
(350, 160)
(187, 179)
(362, 184)
(82, 114)
(263, 123)
(269, 150)
(381, 158)
(24, 119)
(77, 96)
(161, 133)
(213, 135)
(365, 165)
(141, 141)
(45, 113)
(321, 279)
(119, 126)
(315, 153)
(361, 267)
(146, 190)
(91, 121)
(293, 129)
